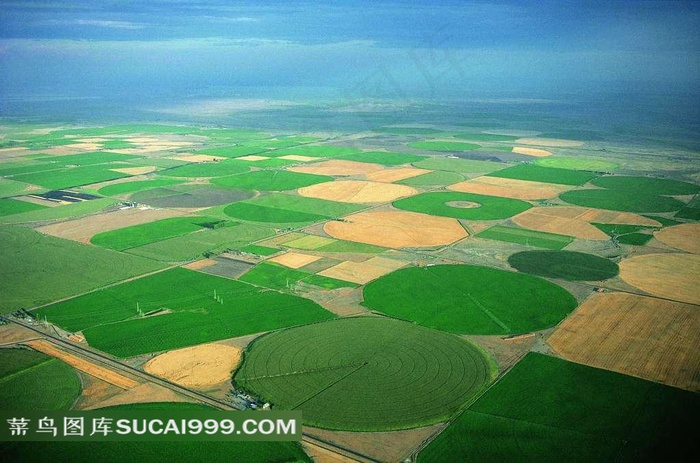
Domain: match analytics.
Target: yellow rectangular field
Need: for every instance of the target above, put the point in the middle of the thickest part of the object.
(363, 272)
(308, 242)
(294, 259)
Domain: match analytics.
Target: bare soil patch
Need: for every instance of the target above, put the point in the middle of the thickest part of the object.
(342, 301)
(671, 276)
(510, 188)
(395, 175)
(11, 333)
(144, 393)
(685, 237)
(297, 157)
(39, 200)
(94, 392)
(538, 153)
(253, 157)
(83, 365)
(357, 191)
(635, 335)
(84, 228)
(363, 272)
(397, 229)
(338, 168)
(294, 259)
(553, 142)
(200, 366)
(199, 264)
(198, 158)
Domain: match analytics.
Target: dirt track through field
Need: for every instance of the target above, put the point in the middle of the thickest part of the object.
(510, 188)
(83, 365)
(685, 237)
(357, 191)
(397, 229)
(671, 276)
(635, 335)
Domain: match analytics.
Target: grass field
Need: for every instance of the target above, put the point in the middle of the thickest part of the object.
(160, 452)
(572, 411)
(646, 185)
(626, 234)
(38, 269)
(9, 206)
(233, 151)
(484, 136)
(139, 235)
(622, 200)
(66, 211)
(383, 157)
(282, 208)
(282, 278)
(535, 173)
(439, 178)
(10, 188)
(691, 210)
(110, 322)
(566, 265)
(271, 180)
(590, 164)
(316, 151)
(132, 187)
(31, 380)
(366, 373)
(259, 250)
(526, 237)
(458, 165)
(469, 299)
(463, 205)
(207, 169)
(407, 130)
(71, 177)
(437, 145)
(323, 244)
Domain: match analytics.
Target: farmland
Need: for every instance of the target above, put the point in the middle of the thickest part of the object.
(281, 208)
(71, 177)
(622, 200)
(469, 299)
(385, 158)
(207, 169)
(437, 145)
(340, 372)
(132, 187)
(271, 180)
(581, 163)
(281, 278)
(10, 206)
(566, 265)
(535, 173)
(110, 320)
(463, 205)
(526, 237)
(458, 165)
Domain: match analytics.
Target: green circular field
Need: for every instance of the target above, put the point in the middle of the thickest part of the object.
(463, 205)
(566, 265)
(621, 200)
(366, 373)
(271, 180)
(646, 185)
(576, 163)
(469, 299)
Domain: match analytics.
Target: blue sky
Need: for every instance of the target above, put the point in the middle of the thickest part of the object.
(360, 48)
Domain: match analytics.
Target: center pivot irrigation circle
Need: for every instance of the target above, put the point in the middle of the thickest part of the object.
(365, 373)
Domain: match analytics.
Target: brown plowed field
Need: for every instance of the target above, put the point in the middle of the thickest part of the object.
(338, 168)
(363, 272)
(510, 188)
(394, 175)
(294, 259)
(81, 364)
(531, 152)
(357, 191)
(198, 158)
(84, 228)
(685, 237)
(397, 229)
(671, 276)
(635, 335)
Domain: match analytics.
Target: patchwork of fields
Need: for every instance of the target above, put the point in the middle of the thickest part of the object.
(406, 278)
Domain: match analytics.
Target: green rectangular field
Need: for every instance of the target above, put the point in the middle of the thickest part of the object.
(9, 206)
(535, 173)
(196, 245)
(66, 211)
(526, 237)
(283, 278)
(233, 151)
(316, 151)
(384, 157)
(437, 178)
(458, 165)
(570, 412)
(321, 243)
(10, 188)
(259, 250)
(87, 159)
(307, 205)
(38, 269)
(71, 177)
(110, 320)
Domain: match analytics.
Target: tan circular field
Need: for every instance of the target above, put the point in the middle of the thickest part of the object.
(338, 168)
(685, 237)
(397, 229)
(199, 366)
(671, 276)
(357, 191)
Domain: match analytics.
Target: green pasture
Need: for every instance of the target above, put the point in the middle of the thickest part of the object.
(566, 265)
(622, 200)
(132, 187)
(282, 278)
(469, 299)
(536, 173)
(385, 158)
(271, 180)
(463, 205)
(365, 373)
(627, 234)
(9, 206)
(283, 208)
(590, 164)
(110, 320)
(439, 145)
(526, 237)
(457, 165)
(646, 185)
(690, 211)
(433, 179)
(71, 176)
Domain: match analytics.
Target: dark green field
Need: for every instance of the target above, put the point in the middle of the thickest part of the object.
(691, 210)
(110, 321)
(626, 234)
(469, 299)
(622, 200)
(271, 180)
(259, 250)
(566, 265)
(546, 409)
(366, 373)
(535, 173)
(526, 237)
(646, 185)
(283, 278)
(37, 269)
(30, 380)
(463, 205)
(9, 206)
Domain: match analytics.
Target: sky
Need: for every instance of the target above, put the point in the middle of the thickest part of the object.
(341, 49)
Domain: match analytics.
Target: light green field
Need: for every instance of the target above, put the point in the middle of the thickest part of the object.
(459, 165)
(384, 157)
(10, 188)
(283, 278)
(38, 269)
(437, 178)
(71, 177)
(447, 204)
(110, 321)
(206, 169)
(316, 151)
(66, 211)
(132, 187)
(271, 180)
(596, 165)
(468, 299)
(283, 208)
(535, 173)
(323, 244)
(9, 206)
(437, 145)
(526, 237)
(365, 373)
